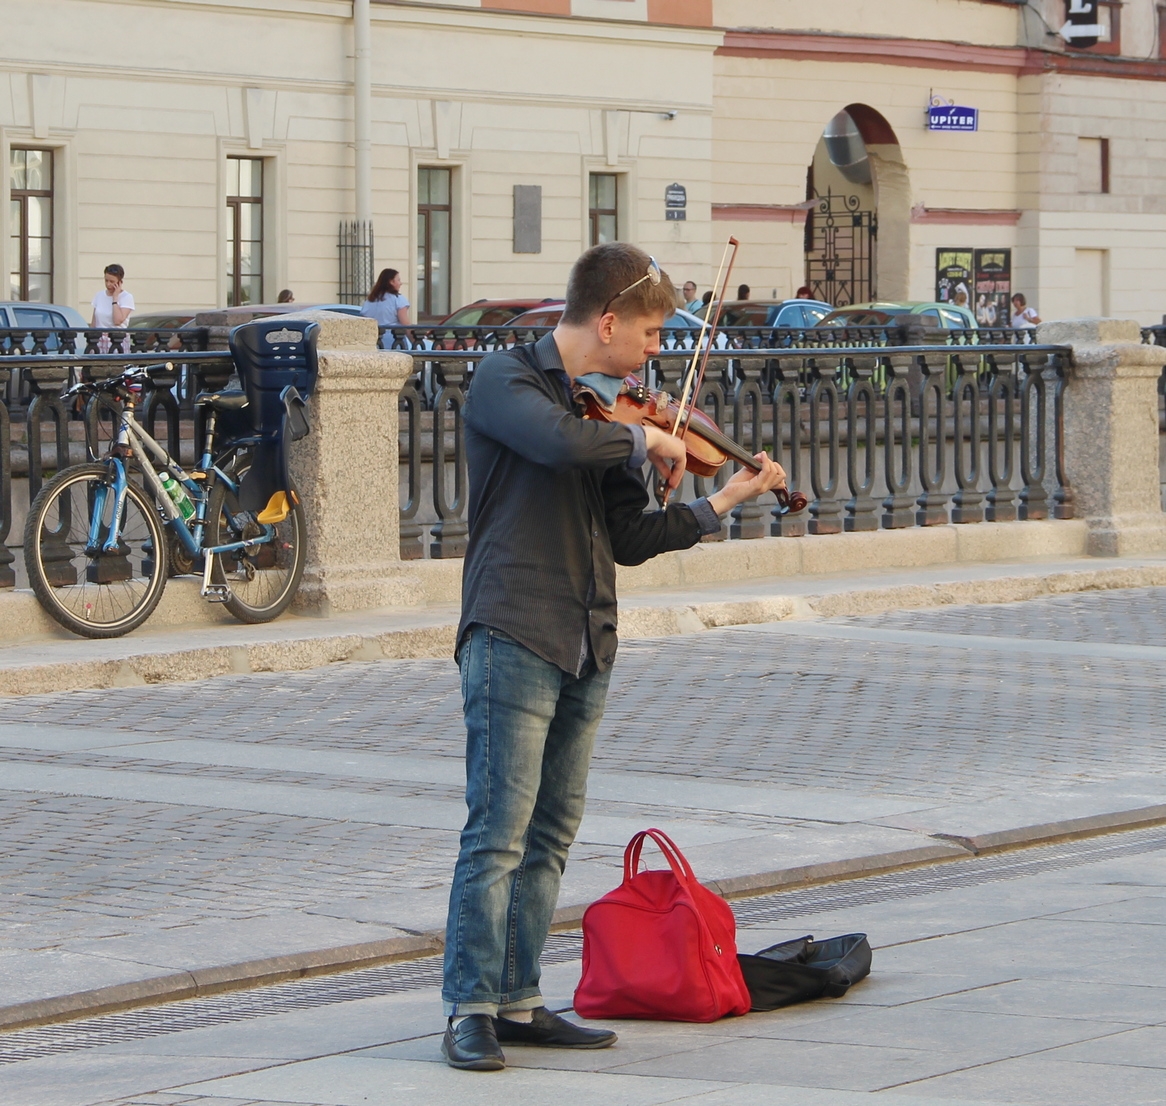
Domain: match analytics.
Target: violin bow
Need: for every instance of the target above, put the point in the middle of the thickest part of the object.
(692, 378)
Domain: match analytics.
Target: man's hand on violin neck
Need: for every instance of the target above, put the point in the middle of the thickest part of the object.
(667, 455)
(745, 484)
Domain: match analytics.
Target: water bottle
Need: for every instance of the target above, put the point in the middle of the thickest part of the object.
(178, 493)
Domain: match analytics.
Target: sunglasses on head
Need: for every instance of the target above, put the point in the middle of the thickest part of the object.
(652, 276)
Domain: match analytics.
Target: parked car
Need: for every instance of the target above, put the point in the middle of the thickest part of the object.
(549, 314)
(165, 320)
(40, 316)
(945, 315)
(789, 313)
(491, 312)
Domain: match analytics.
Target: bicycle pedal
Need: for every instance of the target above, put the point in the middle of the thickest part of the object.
(216, 593)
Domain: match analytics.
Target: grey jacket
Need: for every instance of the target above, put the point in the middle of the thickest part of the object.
(553, 507)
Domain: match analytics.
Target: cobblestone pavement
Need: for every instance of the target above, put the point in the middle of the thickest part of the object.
(921, 716)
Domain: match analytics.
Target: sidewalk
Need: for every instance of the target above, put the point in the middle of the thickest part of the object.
(294, 822)
(58, 661)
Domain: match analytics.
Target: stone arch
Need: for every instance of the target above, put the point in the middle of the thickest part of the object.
(873, 175)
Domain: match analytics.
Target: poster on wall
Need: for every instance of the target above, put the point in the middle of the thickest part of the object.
(953, 276)
(993, 287)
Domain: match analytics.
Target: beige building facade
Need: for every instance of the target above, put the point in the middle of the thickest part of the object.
(213, 147)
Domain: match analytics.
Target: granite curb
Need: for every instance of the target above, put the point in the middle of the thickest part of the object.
(279, 648)
(194, 983)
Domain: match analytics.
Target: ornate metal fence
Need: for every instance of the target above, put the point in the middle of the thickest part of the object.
(878, 437)
(40, 433)
(888, 433)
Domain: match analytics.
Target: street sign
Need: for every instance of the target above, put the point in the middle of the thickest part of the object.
(949, 117)
(1082, 28)
(676, 203)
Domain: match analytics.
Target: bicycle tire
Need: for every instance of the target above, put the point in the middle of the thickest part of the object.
(258, 591)
(99, 596)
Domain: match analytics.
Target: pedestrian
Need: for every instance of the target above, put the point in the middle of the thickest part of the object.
(285, 296)
(1023, 316)
(385, 302)
(742, 291)
(691, 301)
(113, 305)
(805, 292)
(555, 502)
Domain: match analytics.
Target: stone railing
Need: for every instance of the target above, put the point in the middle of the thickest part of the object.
(878, 437)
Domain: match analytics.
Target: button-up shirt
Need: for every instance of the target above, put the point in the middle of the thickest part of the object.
(553, 506)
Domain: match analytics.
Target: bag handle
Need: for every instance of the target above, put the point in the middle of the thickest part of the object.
(681, 869)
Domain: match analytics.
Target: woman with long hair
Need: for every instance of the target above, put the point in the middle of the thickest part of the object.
(385, 302)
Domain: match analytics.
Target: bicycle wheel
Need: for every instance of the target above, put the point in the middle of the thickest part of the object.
(91, 592)
(261, 579)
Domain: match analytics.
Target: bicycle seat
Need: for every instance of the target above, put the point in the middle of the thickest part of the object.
(222, 401)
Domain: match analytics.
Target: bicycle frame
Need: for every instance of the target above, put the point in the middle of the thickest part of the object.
(133, 437)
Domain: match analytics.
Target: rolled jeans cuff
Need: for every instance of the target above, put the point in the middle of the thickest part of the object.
(463, 1009)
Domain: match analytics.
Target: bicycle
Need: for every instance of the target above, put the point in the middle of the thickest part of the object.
(99, 546)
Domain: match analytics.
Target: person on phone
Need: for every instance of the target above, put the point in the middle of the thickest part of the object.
(113, 305)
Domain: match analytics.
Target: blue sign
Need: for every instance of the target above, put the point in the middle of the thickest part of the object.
(952, 118)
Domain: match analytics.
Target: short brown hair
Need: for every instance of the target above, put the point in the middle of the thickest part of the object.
(603, 272)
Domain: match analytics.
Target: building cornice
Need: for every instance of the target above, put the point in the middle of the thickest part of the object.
(932, 54)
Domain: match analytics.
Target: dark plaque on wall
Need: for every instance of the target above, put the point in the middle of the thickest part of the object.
(528, 218)
(675, 203)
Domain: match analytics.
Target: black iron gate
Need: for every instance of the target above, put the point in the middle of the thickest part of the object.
(840, 250)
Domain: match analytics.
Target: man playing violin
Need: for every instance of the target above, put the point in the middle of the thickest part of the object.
(555, 502)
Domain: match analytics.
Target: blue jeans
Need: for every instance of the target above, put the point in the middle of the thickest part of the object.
(530, 728)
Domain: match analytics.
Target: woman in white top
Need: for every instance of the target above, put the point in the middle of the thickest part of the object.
(385, 302)
(1023, 316)
(112, 306)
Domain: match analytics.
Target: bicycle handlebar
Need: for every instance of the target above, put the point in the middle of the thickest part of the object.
(133, 374)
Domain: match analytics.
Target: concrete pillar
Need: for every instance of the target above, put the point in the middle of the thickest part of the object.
(1111, 433)
(346, 470)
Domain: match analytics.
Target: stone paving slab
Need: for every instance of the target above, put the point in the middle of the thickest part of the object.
(315, 822)
(979, 1004)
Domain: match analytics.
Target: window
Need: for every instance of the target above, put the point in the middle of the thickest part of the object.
(31, 191)
(1092, 164)
(244, 230)
(433, 242)
(604, 207)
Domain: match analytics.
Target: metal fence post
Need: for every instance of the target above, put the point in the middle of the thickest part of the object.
(450, 533)
(860, 404)
(748, 431)
(932, 442)
(966, 504)
(825, 508)
(897, 454)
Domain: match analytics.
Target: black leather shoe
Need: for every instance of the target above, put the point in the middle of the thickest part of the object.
(551, 1031)
(473, 1045)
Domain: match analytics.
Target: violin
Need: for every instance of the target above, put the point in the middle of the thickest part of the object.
(706, 448)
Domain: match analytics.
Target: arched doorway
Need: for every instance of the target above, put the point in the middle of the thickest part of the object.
(856, 244)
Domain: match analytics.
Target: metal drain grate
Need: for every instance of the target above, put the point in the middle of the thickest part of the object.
(944, 877)
(413, 975)
(281, 998)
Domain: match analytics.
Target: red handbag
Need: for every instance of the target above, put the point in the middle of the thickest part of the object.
(660, 946)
